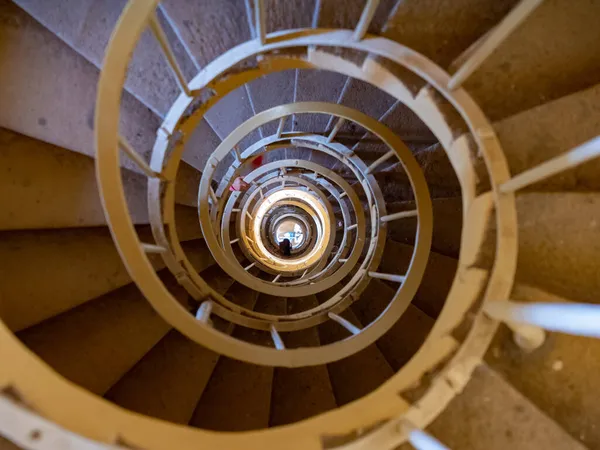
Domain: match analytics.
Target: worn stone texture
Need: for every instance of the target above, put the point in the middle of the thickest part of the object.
(544, 132)
(87, 25)
(490, 414)
(359, 374)
(437, 279)
(447, 225)
(45, 186)
(273, 90)
(332, 15)
(303, 392)
(558, 243)
(169, 380)
(559, 377)
(229, 113)
(410, 330)
(238, 395)
(70, 266)
(95, 344)
(546, 58)
(441, 30)
(316, 86)
(51, 90)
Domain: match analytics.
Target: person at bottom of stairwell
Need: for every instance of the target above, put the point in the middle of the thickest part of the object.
(285, 247)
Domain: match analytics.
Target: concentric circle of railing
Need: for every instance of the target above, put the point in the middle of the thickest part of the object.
(482, 292)
(221, 77)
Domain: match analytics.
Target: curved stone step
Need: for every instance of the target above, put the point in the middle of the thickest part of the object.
(447, 225)
(436, 282)
(208, 29)
(559, 37)
(86, 26)
(558, 243)
(69, 266)
(356, 375)
(442, 32)
(303, 392)
(49, 93)
(403, 340)
(559, 377)
(45, 186)
(491, 414)
(168, 381)
(238, 395)
(95, 344)
(543, 132)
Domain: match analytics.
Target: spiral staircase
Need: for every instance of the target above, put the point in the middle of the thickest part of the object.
(432, 162)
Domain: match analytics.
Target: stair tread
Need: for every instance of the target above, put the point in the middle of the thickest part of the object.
(44, 69)
(46, 186)
(332, 16)
(405, 337)
(95, 344)
(217, 278)
(195, 23)
(359, 374)
(559, 36)
(447, 225)
(238, 395)
(437, 279)
(439, 173)
(441, 31)
(558, 243)
(559, 377)
(70, 266)
(316, 86)
(544, 132)
(273, 90)
(303, 392)
(490, 414)
(87, 25)
(168, 382)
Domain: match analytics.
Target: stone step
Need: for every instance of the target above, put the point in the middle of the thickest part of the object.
(95, 344)
(168, 381)
(238, 395)
(491, 414)
(559, 377)
(300, 393)
(447, 225)
(356, 375)
(550, 55)
(543, 132)
(436, 282)
(49, 93)
(70, 266)
(405, 337)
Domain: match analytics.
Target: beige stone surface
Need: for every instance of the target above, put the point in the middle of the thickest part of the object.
(559, 378)
(547, 57)
(238, 395)
(302, 392)
(44, 186)
(359, 374)
(490, 414)
(558, 243)
(436, 282)
(95, 344)
(169, 380)
(405, 337)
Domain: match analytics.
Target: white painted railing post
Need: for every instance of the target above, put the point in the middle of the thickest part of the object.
(578, 319)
